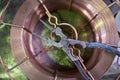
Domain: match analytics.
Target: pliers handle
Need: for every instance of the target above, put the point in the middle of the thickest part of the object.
(64, 44)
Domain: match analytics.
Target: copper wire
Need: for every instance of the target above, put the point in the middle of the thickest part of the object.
(56, 76)
(118, 78)
(49, 20)
(4, 9)
(45, 49)
(70, 4)
(5, 68)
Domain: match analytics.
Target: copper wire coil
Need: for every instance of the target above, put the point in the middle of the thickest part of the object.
(23, 44)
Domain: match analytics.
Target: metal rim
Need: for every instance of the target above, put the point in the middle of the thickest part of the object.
(89, 9)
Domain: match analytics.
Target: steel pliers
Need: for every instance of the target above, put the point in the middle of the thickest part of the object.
(65, 42)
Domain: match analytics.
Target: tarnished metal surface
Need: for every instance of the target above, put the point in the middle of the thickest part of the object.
(23, 44)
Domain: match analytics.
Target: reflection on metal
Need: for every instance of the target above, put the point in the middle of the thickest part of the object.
(65, 46)
(55, 24)
(98, 16)
(31, 32)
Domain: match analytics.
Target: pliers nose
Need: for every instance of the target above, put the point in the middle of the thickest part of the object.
(64, 44)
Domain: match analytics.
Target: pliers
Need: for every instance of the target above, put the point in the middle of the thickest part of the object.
(64, 45)
(65, 42)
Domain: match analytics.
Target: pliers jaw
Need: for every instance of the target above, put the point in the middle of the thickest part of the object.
(64, 44)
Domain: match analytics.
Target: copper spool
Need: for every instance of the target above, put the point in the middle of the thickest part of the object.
(23, 44)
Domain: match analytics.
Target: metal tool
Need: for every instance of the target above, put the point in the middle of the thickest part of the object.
(64, 44)
(55, 24)
(33, 4)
